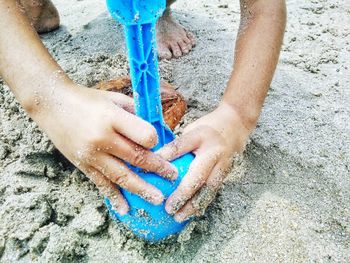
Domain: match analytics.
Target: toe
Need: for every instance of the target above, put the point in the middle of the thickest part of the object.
(164, 54)
(191, 38)
(184, 47)
(164, 51)
(176, 50)
(189, 46)
(187, 40)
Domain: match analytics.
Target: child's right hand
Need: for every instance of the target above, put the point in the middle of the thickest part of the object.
(92, 128)
(95, 130)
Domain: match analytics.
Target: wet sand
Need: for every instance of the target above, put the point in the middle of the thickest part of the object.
(286, 200)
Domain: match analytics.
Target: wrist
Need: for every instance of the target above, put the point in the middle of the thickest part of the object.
(45, 100)
(41, 92)
(233, 120)
(248, 117)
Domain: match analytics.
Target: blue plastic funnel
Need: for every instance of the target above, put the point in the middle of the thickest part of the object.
(139, 19)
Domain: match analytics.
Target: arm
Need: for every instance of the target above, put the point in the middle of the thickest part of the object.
(257, 51)
(91, 128)
(218, 136)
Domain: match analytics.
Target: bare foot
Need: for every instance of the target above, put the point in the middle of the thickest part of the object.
(42, 14)
(172, 39)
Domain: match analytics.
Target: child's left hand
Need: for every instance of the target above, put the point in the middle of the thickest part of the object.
(214, 139)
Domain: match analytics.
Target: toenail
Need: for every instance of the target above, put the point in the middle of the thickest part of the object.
(165, 55)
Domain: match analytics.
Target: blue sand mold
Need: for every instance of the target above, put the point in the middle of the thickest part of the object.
(139, 18)
(148, 221)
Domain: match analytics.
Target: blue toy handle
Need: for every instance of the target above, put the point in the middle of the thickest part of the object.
(141, 46)
(139, 18)
(132, 12)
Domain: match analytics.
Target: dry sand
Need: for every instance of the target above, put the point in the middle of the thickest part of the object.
(287, 200)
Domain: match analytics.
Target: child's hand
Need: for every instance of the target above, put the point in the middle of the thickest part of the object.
(214, 139)
(96, 132)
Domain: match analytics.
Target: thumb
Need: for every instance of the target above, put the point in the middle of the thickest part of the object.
(184, 144)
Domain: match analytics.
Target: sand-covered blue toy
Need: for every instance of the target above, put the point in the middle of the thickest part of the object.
(139, 18)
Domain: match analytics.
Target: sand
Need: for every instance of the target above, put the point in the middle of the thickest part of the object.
(286, 200)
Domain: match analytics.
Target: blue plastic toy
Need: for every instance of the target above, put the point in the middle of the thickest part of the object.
(139, 18)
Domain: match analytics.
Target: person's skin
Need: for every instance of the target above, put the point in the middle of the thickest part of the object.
(62, 108)
(216, 137)
(42, 14)
(92, 128)
(173, 41)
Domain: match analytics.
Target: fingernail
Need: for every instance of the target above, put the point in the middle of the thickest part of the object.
(122, 210)
(169, 207)
(155, 198)
(173, 206)
(159, 198)
(169, 171)
(179, 217)
(173, 172)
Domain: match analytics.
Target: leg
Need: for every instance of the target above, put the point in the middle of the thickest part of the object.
(42, 14)
(172, 39)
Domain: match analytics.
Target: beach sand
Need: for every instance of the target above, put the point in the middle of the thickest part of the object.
(286, 200)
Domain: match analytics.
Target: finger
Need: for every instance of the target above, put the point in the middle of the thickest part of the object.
(117, 171)
(218, 175)
(136, 129)
(123, 101)
(108, 189)
(197, 205)
(186, 143)
(196, 176)
(186, 212)
(138, 156)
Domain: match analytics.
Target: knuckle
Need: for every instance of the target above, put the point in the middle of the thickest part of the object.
(213, 131)
(173, 148)
(199, 212)
(198, 182)
(84, 157)
(139, 158)
(100, 182)
(205, 131)
(111, 193)
(103, 189)
(195, 210)
(219, 153)
(96, 139)
(121, 179)
(216, 184)
(159, 167)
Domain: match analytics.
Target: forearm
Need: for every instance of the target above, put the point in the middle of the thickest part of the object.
(25, 63)
(257, 51)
